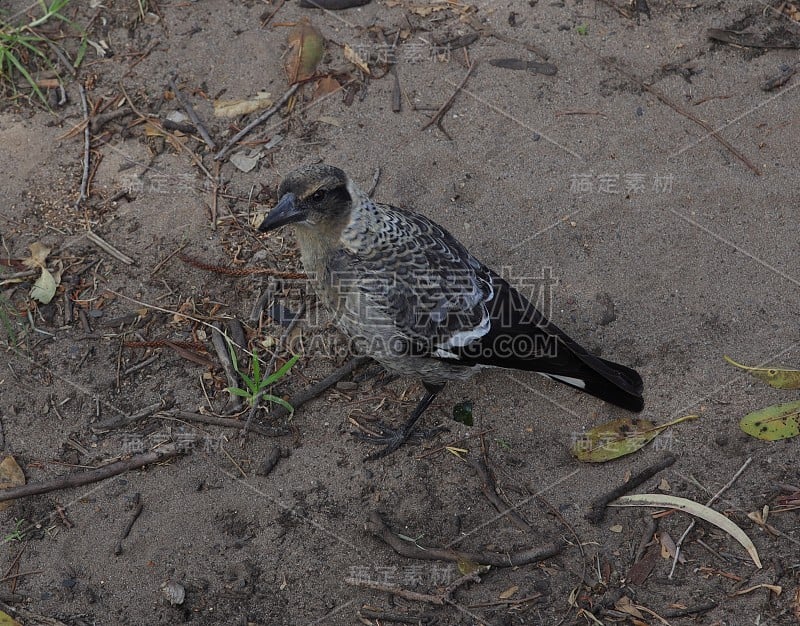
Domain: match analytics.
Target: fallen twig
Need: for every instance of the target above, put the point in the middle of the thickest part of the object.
(437, 118)
(312, 391)
(126, 420)
(687, 114)
(137, 511)
(259, 120)
(87, 133)
(491, 491)
(187, 106)
(227, 422)
(102, 243)
(78, 479)
(378, 528)
(244, 271)
(709, 502)
(440, 598)
(597, 512)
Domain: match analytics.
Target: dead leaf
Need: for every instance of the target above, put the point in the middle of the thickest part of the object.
(326, 86)
(44, 288)
(774, 377)
(616, 528)
(618, 437)
(354, 58)
(235, 108)
(38, 257)
(246, 160)
(625, 605)
(508, 593)
(11, 475)
(306, 47)
(663, 485)
(668, 547)
(696, 509)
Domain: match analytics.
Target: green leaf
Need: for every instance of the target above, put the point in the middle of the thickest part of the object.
(236, 391)
(462, 413)
(281, 372)
(780, 421)
(280, 401)
(256, 367)
(774, 377)
(618, 438)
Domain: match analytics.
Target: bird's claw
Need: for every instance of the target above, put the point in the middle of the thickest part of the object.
(392, 438)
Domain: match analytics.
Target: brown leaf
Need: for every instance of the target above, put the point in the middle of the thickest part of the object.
(11, 475)
(306, 47)
(326, 86)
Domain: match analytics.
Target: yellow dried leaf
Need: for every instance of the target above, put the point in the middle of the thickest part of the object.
(38, 257)
(235, 108)
(11, 475)
(774, 377)
(508, 593)
(7, 620)
(354, 58)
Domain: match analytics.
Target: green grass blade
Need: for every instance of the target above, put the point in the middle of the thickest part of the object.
(281, 372)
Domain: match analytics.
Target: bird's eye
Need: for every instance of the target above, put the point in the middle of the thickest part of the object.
(318, 195)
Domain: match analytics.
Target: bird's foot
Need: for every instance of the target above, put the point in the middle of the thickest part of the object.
(391, 439)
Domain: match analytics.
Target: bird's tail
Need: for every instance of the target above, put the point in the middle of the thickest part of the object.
(609, 381)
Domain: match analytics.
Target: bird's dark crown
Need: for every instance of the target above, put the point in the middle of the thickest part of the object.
(318, 188)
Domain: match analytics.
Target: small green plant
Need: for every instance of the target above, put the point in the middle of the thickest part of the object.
(18, 534)
(256, 384)
(583, 29)
(19, 43)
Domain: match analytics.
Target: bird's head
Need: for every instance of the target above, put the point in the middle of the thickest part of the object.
(314, 195)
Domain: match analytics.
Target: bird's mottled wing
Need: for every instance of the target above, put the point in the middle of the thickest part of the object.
(414, 276)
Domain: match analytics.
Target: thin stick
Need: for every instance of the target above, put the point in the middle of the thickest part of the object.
(311, 392)
(687, 114)
(415, 596)
(102, 243)
(259, 120)
(118, 421)
(78, 479)
(87, 133)
(378, 528)
(710, 501)
(227, 422)
(187, 106)
(598, 509)
(437, 118)
(127, 530)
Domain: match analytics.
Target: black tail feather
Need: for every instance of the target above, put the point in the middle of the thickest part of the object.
(541, 346)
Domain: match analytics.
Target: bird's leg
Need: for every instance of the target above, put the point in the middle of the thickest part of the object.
(392, 439)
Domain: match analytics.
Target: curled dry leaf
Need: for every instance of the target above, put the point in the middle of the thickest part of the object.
(775, 377)
(355, 58)
(235, 108)
(306, 47)
(326, 86)
(696, 509)
(780, 421)
(11, 475)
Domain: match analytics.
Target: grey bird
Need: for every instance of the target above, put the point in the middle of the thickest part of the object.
(413, 298)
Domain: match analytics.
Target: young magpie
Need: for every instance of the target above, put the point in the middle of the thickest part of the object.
(413, 298)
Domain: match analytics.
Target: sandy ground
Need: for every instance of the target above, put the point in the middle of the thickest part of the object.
(668, 250)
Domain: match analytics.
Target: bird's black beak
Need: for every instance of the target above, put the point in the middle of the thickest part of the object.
(285, 212)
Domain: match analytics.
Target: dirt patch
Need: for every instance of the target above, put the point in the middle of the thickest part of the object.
(668, 250)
